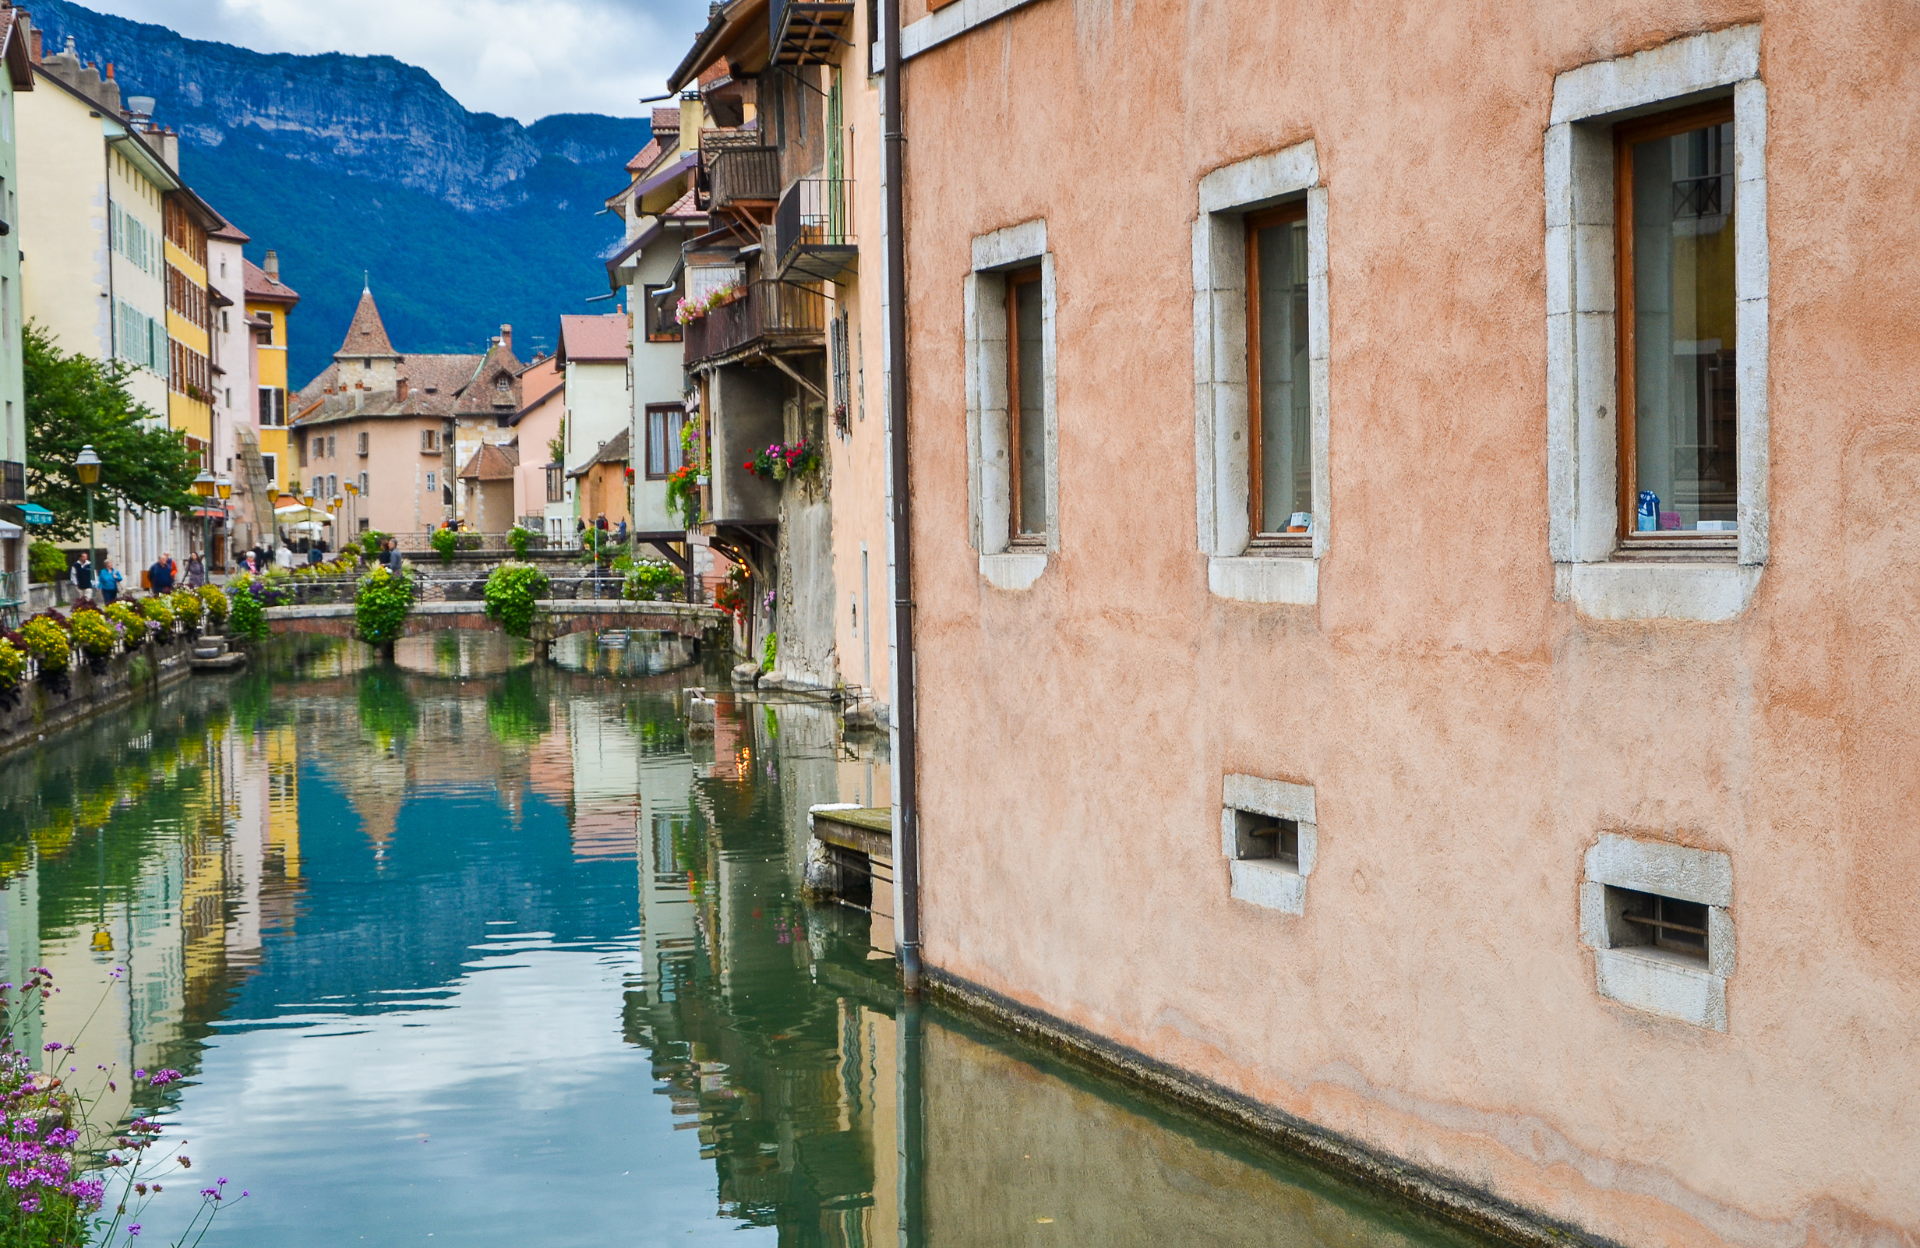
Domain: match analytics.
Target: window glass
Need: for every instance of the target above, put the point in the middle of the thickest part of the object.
(1029, 418)
(1683, 428)
(1283, 494)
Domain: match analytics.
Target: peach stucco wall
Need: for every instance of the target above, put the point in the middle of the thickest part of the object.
(1468, 737)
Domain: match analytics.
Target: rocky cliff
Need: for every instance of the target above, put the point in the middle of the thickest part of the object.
(461, 220)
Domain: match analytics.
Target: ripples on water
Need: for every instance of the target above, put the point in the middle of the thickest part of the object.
(485, 950)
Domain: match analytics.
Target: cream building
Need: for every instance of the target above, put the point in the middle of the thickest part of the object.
(16, 50)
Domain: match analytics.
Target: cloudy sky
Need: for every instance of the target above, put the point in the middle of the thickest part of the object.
(518, 59)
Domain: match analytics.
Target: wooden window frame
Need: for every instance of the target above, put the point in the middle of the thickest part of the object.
(1625, 136)
(1027, 275)
(1285, 214)
(663, 471)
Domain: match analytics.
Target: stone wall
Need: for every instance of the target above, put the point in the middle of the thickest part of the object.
(44, 706)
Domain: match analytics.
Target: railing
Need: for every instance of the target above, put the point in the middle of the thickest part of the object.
(766, 310)
(737, 173)
(13, 482)
(13, 596)
(816, 216)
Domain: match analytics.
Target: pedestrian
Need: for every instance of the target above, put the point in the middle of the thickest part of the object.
(196, 572)
(313, 553)
(392, 556)
(252, 562)
(173, 568)
(283, 558)
(620, 534)
(109, 581)
(82, 577)
(160, 575)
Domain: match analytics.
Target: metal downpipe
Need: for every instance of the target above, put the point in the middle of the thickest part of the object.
(905, 757)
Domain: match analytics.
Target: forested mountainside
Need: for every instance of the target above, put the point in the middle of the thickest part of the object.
(352, 164)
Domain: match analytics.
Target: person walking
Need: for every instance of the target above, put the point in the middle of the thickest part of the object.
(283, 558)
(392, 557)
(82, 577)
(160, 575)
(196, 572)
(109, 581)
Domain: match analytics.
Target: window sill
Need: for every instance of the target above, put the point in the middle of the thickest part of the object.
(1660, 981)
(1277, 575)
(1273, 885)
(1701, 589)
(1013, 570)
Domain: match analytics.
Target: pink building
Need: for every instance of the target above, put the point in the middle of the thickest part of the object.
(1408, 643)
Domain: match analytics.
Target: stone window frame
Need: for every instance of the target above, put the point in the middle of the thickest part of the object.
(1220, 350)
(989, 472)
(1582, 330)
(1265, 881)
(1636, 974)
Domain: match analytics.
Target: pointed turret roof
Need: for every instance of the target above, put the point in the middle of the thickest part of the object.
(367, 336)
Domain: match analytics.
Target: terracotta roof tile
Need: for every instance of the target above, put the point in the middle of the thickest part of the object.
(616, 451)
(666, 119)
(265, 289)
(367, 335)
(491, 463)
(645, 157)
(593, 338)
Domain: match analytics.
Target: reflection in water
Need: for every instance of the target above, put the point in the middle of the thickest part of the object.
(489, 950)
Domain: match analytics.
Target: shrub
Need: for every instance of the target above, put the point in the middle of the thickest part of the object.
(48, 642)
(380, 606)
(731, 597)
(769, 652)
(160, 612)
(132, 623)
(683, 495)
(13, 665)
(46, 562)
(512, 591)
(445, 542)
(370, 542)
(95, 634)
(215, 600)
(651, 580)
(518, 537)
(246, 612)
(187, 607)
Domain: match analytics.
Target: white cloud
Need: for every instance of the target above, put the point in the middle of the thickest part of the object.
(516, 59)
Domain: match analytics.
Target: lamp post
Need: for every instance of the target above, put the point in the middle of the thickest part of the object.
(224, 486)
(353, 511)
(87, 464)
(204, 485)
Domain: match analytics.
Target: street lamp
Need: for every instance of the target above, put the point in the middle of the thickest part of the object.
(87, 464)
(204, 485)
(353, 510)
(224, 486)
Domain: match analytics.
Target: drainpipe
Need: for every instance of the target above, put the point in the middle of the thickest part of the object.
(906, 849)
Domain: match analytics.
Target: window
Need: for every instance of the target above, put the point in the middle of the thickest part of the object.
(1679, 471)
(1012, 422)
(140, 339)
(556, 483)
(273, 409)
(272, 462)
(429, 441)
(1026, 409)
(332, 440)
(363, 480)
(432, 482)
(1657, 917)
(1269, 834)
(366, 525)
(1279, 426)
(664, 456)
(1656, 251)
(333, 487)
(1261, 377)
(363, 446)
(313, 451)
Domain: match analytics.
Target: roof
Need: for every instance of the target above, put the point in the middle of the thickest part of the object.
(264, 289)
(645, 156)
(367, 335)
(230, 233)
(720, 37)
(592, 339)
(666, 119)
(492, 463)
(613, 451)
(15, 46)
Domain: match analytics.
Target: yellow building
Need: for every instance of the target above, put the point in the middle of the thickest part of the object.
(188, 220)
(269, 303)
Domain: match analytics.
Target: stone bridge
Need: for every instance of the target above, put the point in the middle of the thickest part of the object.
(553, 618)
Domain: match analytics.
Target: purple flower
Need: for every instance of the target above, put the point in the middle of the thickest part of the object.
(30, 1204)
(161, 1078)
(133, 1230)
(52, 1047)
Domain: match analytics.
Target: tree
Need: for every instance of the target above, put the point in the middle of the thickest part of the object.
(73, 401)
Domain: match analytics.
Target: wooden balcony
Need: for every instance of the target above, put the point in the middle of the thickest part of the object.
(768, 315)
(740, 175)
(810, 34)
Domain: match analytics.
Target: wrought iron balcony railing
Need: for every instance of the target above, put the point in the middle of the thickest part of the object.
(813, 230)
(809, 33)
(767, 313)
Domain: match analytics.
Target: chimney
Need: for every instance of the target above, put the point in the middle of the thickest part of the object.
(400, 390)
(38, 46)
(170, 149)
(272, 267)
(506, 337)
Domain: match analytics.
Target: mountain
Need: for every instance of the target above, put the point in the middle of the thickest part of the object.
(362, 164)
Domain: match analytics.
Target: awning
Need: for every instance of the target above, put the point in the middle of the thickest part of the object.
(208, 513)
(10, 531)
(34, 513)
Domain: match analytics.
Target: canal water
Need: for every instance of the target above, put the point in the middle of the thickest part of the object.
(469, 949)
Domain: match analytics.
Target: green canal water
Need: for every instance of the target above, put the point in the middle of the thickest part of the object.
(467, 949)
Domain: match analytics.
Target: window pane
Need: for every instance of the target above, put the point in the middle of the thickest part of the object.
(656, 442)
(1684, 427)
(1030, 420)
(1286, 457)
